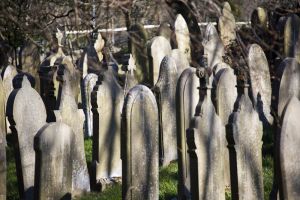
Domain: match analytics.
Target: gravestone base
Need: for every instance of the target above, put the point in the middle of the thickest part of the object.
(105, 183)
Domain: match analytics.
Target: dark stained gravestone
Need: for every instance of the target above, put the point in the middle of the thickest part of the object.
(292, 36)
(180, 59)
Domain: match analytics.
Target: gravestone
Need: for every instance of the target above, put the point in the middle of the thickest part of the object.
(187, 97)
(245, 144)
(259, 19)
(291, 36)
(226, 95)
(130, 80)
(165, 31)
(180, 59)
(183, 36)
(2, 144)
(226, 25)
(260, 82)
(139, 144)
(289, 84)
(53, 145)
(27, 114)
(7, 76)
(107, 102)
(158, 48)
(89, 83)
(69, 114)
(289, 157)
(165, 90)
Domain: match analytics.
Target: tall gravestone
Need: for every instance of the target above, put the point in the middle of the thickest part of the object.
(260, 81)
(165, 90)
(3, 166)
(158, 48)
(259, 19)
(292, 36)
(53, 145)
(245, 143)
(289, 158)
(69, 114)
(107, 102)
(187, 97)
(89, 83)
(206, 139)
(226, 25)
(180, 59)
(139, 143)
(27, 114)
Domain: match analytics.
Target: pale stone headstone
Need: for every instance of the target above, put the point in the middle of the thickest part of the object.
(183, 36)
(180, 59)
(226, 25)
(130, 80)
(89, 83)
(2, 144)
(140, 145)
(259, 18)
(53, 145)
(187, 97)
(166, 93)
(218, 67)
(289, 157)
(260, 81)
(245, 143)
(159, 47)
(289, 84)
(27, 114)
(69, 114)
(107, 102)
(8, 75)
(292, 36)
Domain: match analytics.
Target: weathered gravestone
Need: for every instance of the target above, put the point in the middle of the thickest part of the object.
(259, 19)
(183, 36)
(226, 25)
(218, 67)
(206, 139)
(165, 31)
(289, 84)
(27, 114)
(69, 114)
(289, 156)
(7, 76)
(139, 143)
(130, 80)
(292, 36)
(53, 145)
(89, 83)
(187, 97)
(107, 102)
(226, 95)
(180, 59)
(2, 144)
(165, 90)
(245, 143)
(158, 48)
(260, 82)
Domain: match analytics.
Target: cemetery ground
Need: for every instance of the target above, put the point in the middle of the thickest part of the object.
(167, 176)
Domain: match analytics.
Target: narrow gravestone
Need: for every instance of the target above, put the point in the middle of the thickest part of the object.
(245, 143)
(89, 83)
(165, 89)
(139, 145)
(291, 35)
(259, 19)
(69, 114)
(226, 25)
(226, 95)
(107, 102)
(3, 166)
(180, 59)
(27, 114)
(289, 157)
(183, 36)
(53, 145)
(289, 84)
(260, 82)
(158, 48)
(187, 97)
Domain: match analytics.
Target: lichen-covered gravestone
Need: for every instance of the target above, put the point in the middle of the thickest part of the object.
(69, 114)
(183, 36)
(187, 97)
(292, 36)
(89, 83)
(158, 48)
(226, 25)
(53, 145)
(165, 90)
(289, 156)
(260, 82)
(245, 143)
(107, 102)
(139, 145)
(2, 144)
(180, 59)
(27, 114)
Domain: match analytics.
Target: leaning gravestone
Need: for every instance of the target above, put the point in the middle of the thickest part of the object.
(89, 83)
(289, 84)
(226, 25)
(158, 48)
(187, 97)
(53, 145)
(165, 88)
(180, 59)
(2, 144)
(183, 36)
(107, 102)
(139, 143)
(27, 114)
(69, 114)
(245, 143)
(291, 36)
